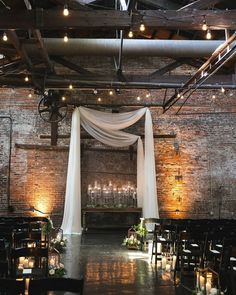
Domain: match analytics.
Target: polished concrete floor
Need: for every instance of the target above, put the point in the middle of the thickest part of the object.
(108, 268)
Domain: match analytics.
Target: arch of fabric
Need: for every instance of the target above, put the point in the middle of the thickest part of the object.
(106, 127)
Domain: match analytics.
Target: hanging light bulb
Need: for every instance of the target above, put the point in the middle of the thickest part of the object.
(148, 95)
(63, 98)
(30, 95)
(204, 25)
(66, 39)
(138, 98)
(222, 90)
(99, 99)
(26, 79)
(142, 27)
(65, 10)
(110, 92)
(178, 95)
(70, 86)
(131, 34)
(208, 35)
(4, 37)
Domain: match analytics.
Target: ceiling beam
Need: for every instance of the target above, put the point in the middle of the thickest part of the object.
(167, 68)
(115, 19)
(140, 82)
(201, 4)
(72, 66)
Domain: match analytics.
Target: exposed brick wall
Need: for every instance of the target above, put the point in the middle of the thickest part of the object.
(203, 152)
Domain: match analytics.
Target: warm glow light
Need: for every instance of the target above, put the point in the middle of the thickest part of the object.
(208, 35)
(63, 98)
(99, 99)
(30, 95)
(213, 96)
(148, 95)
(26, 79)
(66, 39)
(4, 37)
(131, 34)
(138, 98)
(178, 95)
(70, 86)
(110, 92)
(65, 11)
(142, 28)
(222, 90)
(204, 26)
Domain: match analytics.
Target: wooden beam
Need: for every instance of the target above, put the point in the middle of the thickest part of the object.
(201, 4)
(167, 68)
(78, 69)
(115, 19)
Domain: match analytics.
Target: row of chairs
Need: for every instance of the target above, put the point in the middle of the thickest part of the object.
(40, 286)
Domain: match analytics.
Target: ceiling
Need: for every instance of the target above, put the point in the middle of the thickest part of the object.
(99, 53)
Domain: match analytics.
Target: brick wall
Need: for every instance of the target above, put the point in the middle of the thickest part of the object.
(203, 153)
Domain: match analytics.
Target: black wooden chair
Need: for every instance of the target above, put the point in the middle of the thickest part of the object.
(40, 286)
(12, 286)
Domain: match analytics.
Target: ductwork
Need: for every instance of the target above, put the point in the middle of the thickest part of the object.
(134, 47)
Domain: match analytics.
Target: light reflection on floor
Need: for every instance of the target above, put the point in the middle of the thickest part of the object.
(111, 269)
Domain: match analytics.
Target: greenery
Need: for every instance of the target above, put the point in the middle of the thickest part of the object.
(59, 244)
(140, 229)
(47, 227)
(57, 271)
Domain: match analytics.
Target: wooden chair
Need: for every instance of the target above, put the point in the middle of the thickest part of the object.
(39, 286)
(12, 286)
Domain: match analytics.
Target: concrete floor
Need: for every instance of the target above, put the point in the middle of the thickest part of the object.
(108, 268)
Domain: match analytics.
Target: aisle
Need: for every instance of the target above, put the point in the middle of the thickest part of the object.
(111, 269)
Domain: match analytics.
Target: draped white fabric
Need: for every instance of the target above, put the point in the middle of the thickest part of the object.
(106, 127)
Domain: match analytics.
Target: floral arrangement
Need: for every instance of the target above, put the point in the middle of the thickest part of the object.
(131, 242)
(140, 229)
(57, 270)
(59, 244)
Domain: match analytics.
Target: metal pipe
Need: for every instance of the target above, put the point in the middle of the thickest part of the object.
(9, 161)
(131, 47)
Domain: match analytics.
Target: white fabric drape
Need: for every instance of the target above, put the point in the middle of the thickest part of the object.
(106, 127)
(71, 223)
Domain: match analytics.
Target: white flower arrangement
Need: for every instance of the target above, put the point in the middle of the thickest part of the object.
(59, 244)
(57, 270)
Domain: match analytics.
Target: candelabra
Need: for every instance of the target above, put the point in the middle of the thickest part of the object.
(110, 195)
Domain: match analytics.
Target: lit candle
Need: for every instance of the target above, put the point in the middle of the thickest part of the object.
(52, 261)
(163, 262)
(208, 288)
(168, 267)
(202, 282)
(21, 260)
(26, 262)
(174, 258)
(31, 264)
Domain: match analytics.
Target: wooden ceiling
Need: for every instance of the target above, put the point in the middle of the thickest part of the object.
(30, 22)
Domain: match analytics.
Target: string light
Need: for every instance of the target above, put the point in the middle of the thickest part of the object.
(222, 90)
(26, 79)
(130, 34)
(208, 35)
(142, 27)
(182, 97)
(138, 98)
(66, 39)
(148, 95)
(65, 10)
(110, 92)
(4, 37)
(178, 95)
(30, 95)
(213, 96)
(99, 99)
(63, 98)
(70, 86)
(204, 25)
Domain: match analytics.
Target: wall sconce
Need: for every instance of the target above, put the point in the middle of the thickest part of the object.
(177, 211)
